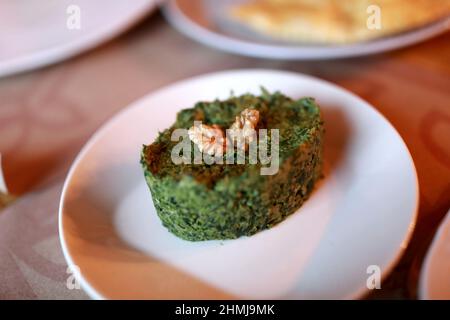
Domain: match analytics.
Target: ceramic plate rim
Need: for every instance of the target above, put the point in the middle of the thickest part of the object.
(93, 293)
(424, 277)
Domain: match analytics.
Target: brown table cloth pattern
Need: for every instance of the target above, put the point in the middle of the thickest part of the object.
(47, 115)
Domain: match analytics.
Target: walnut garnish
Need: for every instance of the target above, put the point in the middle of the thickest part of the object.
(208, 139)
(244, 127)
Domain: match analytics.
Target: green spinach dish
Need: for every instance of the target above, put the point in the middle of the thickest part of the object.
(208, 186)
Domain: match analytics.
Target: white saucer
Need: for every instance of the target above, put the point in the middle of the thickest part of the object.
(361, 214)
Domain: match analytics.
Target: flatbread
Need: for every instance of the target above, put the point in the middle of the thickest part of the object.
(335, 21)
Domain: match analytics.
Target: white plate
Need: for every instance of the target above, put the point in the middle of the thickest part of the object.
(202, 21)
(3, 188)
(434, 280)
(361, 214)
(34, 33)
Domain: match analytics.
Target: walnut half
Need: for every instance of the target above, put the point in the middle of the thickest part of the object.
(244, 127)
(208, 139)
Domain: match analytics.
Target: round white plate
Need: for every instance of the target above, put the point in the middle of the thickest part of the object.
(360, 215)
(34, 33)
(203, 21)
(434, 280)
(3, 188)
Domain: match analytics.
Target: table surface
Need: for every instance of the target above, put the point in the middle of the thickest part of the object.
(47, 115)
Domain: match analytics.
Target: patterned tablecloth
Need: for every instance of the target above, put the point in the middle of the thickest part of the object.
(47, 115)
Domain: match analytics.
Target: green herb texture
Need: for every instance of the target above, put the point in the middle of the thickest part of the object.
(225, 201)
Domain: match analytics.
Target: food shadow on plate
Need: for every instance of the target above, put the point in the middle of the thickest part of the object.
(338, 133)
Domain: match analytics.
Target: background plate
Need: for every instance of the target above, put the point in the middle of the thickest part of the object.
(435, 275)
(203, 21)
(33, 33)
